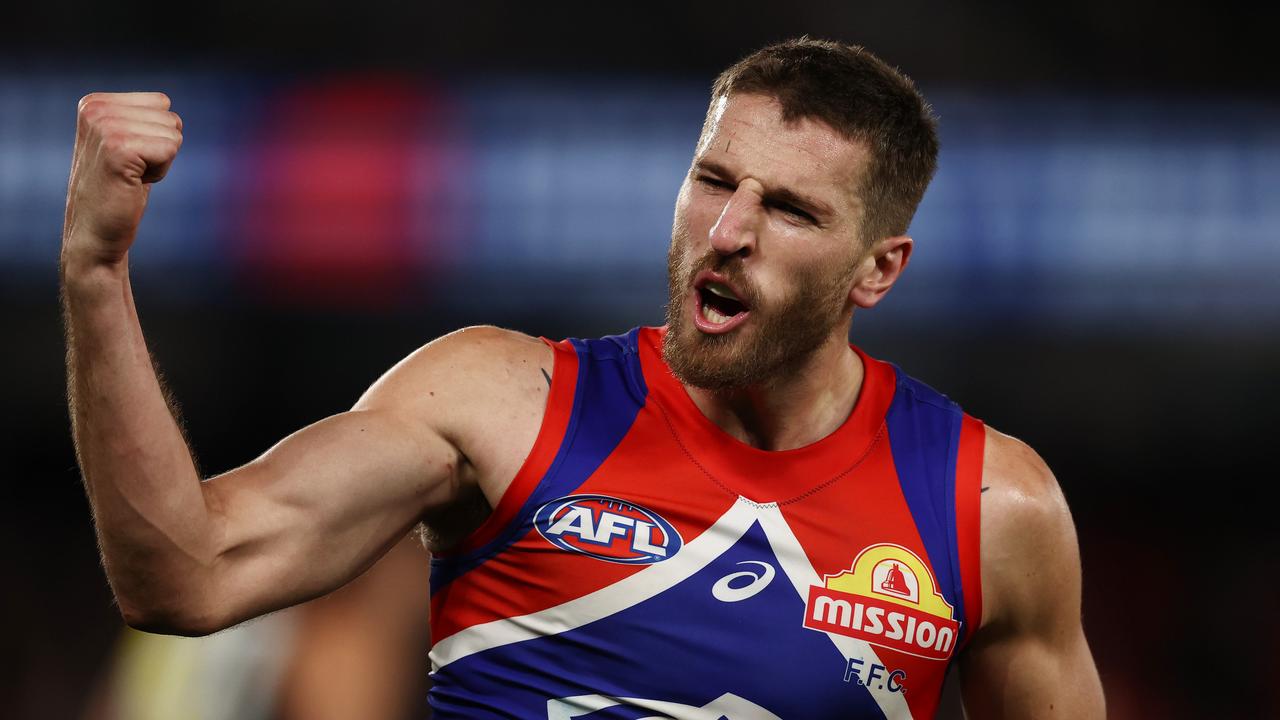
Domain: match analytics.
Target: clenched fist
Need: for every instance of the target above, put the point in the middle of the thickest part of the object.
(124, 142)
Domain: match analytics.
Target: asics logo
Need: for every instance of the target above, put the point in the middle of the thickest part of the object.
(731, 587)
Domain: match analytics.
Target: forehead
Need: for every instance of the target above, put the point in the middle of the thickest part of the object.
(746, 134)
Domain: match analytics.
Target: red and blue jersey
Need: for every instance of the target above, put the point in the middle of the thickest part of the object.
(643, 563)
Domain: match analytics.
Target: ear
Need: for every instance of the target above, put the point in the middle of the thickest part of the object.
(882, 268)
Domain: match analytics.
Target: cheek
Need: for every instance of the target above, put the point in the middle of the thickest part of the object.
(776, 290)
(697, 211)
(680, 221)
(783, 284)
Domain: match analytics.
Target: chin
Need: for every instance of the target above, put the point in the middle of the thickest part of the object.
(713, 362)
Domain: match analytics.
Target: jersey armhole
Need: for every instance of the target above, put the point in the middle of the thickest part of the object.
(555, 421)
(969, 520)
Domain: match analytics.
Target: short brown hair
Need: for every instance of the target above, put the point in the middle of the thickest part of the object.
(862, 98)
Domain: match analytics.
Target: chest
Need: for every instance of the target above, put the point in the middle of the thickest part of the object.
(650, 579)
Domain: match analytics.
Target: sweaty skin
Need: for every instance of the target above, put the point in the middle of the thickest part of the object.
(439, 437)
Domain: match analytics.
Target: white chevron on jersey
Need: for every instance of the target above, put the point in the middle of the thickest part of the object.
(660, 577)
(628, 592)
(725, 707)
(795, 563)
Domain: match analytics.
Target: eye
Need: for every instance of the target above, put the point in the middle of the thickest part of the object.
(714, 182)
(796, 212)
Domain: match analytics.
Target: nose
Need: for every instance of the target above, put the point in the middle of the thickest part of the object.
(735, 230)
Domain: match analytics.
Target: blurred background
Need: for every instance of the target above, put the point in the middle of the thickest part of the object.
(1097, 271)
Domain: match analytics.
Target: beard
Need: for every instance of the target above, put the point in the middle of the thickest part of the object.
(778, 338)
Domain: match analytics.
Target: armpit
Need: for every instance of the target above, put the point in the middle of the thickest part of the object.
(446, 527)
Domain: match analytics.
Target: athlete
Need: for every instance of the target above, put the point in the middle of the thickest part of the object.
(738, 514)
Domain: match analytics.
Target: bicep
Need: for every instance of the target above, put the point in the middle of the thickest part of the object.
(326, 502)
(1030, 658)
(1031, 675)
(318, 508)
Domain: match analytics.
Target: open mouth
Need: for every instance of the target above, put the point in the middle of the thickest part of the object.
(719, 307)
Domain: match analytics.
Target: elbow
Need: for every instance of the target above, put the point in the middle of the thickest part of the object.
(168, 598)
(172, 620)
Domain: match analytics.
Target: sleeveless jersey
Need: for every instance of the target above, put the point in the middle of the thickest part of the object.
(645, 564)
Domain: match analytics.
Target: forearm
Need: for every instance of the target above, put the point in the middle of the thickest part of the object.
(153, 526)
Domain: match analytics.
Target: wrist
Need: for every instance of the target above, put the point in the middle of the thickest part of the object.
(88, 271)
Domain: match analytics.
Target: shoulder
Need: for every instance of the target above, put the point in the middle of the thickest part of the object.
(1029, 657)
(475, 362)
(1018, 474)
(1030, 560)
(483, 389)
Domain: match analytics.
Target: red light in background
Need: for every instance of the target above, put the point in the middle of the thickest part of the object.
(327, 185)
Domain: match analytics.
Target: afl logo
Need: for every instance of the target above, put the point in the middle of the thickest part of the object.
(607, 528)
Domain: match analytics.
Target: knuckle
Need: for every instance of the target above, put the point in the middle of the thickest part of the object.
(92, 110)
(115, 142)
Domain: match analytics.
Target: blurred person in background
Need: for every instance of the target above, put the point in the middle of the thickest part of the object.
(738, 514)
(355, 653)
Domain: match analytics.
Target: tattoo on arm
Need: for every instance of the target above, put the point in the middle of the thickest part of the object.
(545, 375)
(985, 489)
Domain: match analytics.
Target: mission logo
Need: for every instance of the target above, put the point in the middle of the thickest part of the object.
(607, 528)
(887, 598)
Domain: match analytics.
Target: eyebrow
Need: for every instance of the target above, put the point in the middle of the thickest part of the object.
(815, 207)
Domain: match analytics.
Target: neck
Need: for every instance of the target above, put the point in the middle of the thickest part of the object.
(792, 411)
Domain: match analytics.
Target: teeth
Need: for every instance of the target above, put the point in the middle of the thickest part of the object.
(719, 289)
(714, 315)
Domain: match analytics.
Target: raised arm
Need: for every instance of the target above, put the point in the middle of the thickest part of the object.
(190, 556)
(1029, 658)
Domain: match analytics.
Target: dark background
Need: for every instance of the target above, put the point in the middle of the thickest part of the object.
(1122, 317)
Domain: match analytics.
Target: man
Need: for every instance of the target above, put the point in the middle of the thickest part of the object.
(737, 515)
